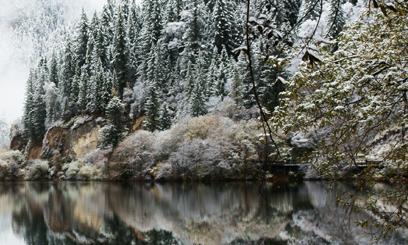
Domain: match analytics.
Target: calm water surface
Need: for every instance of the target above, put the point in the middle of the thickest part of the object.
(106, 213)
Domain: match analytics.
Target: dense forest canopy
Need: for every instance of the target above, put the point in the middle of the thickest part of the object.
(168, 59)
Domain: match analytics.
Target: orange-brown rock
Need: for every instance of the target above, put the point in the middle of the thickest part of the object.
(18, 143)
(73, 140)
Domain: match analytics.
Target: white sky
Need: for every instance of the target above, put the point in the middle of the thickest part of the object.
(14, 53)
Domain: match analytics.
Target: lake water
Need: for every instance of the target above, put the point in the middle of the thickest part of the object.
(107, 213)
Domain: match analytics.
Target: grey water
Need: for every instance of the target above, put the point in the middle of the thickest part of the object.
(134, 213)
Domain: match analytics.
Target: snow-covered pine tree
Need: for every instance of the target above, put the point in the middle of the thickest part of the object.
(112, 133)
(39, 112)
(99, 87)
(81, 43)
(114, 112)
(150, 33)
(198, 101)
(119, 54)
(92, 38)
(133, 29)
(312, 9)
(83, 90)
(165, 117)
(194, 33)
(222, 74)
(51, 104)
(199, 95)
(107, 79)
(107, 22)
(29, 103)
(54, 70)
(99, 46)
(189, 80)
(173, 10)
(336, 18)
(226, 28)
(237, 81)
(246, 92)
(152, 108)
(212, 74)
(67, 75)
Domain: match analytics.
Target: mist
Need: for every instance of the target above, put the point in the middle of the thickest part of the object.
(20, 21)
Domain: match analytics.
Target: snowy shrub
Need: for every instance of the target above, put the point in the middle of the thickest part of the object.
(89, 172)
(98, 157)
(78, 170)
(10, 164)
(12, 157)
(134, 155)
(37, 170)
(195, 148)
(72, 169)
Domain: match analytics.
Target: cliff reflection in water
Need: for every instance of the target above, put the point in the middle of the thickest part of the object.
(106, 213)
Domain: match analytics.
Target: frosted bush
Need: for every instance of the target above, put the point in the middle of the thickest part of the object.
(37, 169)
(98, 157)
(134, 154)
(203, 147)
(89, 172)
(78, 170)
(10, 162)
(72, 169)
(12, 157)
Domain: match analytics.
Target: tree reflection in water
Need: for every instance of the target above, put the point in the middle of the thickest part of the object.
(106, 213)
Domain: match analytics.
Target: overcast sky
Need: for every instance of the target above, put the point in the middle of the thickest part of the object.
(15, 51)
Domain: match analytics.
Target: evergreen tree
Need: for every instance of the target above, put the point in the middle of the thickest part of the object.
(83, 90)
(107, 23)
(112, 133)
(119, 61)
(165, 117)
(336, 18)
(312, 9)
(199, 95)
(193, 36)
(99, 88)
(152, 117)
(67, 75)
(212, 74)
(222, 75)
(51, 104)
(81, 42)
(237, 84)
(198, 106)
(115, 112)
(227, 30)
(173, 10)
(246, 92)
(189, 80)
(53, 68)
(151, 32)
(39, 112)
(29, 104)
(92, 39)
(133, 28)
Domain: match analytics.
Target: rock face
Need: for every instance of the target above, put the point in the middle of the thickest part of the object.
(18, 142)
(72, 140)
